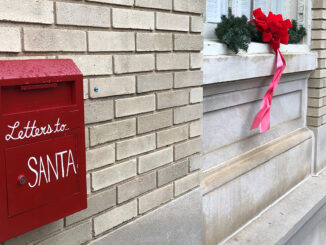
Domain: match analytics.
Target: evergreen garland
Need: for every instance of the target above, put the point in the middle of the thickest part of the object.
(296, 33)
(235, 32)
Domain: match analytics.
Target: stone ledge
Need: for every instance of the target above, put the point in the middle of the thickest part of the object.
(244, 163)
(223, 68)
(285, 218)
(236, 194)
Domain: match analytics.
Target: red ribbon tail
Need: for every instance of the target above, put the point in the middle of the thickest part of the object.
(262, 118)
(265, 122)
(257, 120)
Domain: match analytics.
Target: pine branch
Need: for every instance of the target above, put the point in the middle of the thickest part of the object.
(235, 32)
(296, 33)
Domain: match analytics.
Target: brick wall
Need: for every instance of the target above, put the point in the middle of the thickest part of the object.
(317, 82)
(143, 127)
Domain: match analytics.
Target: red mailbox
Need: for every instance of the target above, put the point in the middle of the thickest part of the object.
(43, 167)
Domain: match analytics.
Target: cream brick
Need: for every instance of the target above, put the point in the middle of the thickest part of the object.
(196, 95)
(195, 162)
(74, 236)
(112, 86)
(112, 131)
(172, 99)
(134, 63)
(173, 22)
(321, 54)
(115, 217)
(196, 128)
(86, 137)
(132, 19)
(135, 146)
(82, 15)
(85, 88)
(187, 183)
(188, 113)
(154, 82)
(188, 148)
(172, 172)
(319, 14)
(318, 24)
(318, 73)
(88, 184)
(47, 40)
(135, 105)
(173, 135)
(119, 2)
(314, 121)
(154, 41)
(196, 24)
(155, 160)
(193, 6)
(136, 187)
(154, 121)
(155, 4)
(315, 102)
(188, 79)
(316, 112)
(37, 234)
(100, 157)
(188, 42)
(316, 83)
(98, 111)
(319, 4)
(92, 64)
(196, 60)
(95, 204)
(155, 198)
(10, 40)
(174, 61)
(316, 93)
(33, 11)
(321, 63)
(111, 41)
(318, 34)
(27, 57)
(318, 44)
(113, 175)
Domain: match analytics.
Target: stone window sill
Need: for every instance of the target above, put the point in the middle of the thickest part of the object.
(213, 47)
(224, 68)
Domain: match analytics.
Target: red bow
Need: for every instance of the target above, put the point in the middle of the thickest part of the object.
(275, 31)
(274, 28)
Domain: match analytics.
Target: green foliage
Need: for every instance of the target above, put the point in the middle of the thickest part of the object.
(235, 32)
(296, 33)
(256, 36)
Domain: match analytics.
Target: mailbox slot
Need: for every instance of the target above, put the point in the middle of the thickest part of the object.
(38, 86)
(37, 96)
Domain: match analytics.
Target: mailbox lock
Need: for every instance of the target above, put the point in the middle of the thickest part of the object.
(21, 179)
